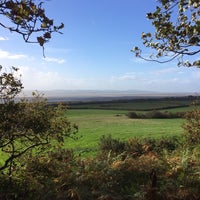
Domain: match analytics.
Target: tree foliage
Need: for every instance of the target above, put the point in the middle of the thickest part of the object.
(177, 33)
(10, 85)
(192, 126)
(28, 124)
(28, 18)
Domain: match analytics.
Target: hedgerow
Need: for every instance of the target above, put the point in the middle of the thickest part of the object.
(155, 115)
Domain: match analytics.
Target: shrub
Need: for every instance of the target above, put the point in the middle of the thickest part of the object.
(169, 144)
(155, 115)
(192, 126)
(62, 175)
(133, 115)
(135, 147)
(107, 143)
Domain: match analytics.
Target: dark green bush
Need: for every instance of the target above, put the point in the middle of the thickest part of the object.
(158, 145)
(133, 115)
(192, 127)
(136, 146)
(107, 143)
(155, 115)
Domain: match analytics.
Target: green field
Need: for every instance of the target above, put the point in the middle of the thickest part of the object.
(93, 123)
(99, 118)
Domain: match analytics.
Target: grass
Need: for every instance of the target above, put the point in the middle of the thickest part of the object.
(94, 123)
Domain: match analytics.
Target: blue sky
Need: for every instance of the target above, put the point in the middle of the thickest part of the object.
(94, 51)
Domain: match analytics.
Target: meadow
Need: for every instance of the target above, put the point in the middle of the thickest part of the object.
(96, 119)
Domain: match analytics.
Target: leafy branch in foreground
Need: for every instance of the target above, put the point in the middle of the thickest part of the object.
(10, 85)
(29, 125)
(28, 19)
(177, 33)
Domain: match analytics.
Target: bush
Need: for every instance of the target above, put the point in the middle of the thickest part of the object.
(192, 126)
(169, 144)
(62, 175)
(107, 143)
(133, 115)
(136, 147)
(155, 115)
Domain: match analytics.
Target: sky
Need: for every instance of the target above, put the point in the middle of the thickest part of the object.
(93, 53)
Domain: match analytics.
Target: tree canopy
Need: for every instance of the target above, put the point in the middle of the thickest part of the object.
(28, 124)
(28, 18)
(177, 33)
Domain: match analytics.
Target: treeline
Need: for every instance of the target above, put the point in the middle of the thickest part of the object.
(155, 115)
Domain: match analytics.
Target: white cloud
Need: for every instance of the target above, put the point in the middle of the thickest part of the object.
(46, 79)
(166, 80)
(8, 55)
(170, 70)
(3, 38)
(34, 79)
(127, 76)
(56, 60)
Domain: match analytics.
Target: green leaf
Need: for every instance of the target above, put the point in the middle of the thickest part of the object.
(44, 25)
